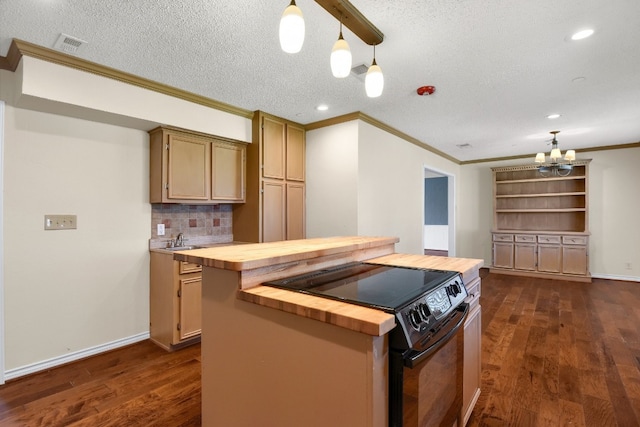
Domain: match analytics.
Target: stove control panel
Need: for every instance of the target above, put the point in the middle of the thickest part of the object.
(420, 318)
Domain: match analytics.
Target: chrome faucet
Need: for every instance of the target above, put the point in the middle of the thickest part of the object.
(180, 240)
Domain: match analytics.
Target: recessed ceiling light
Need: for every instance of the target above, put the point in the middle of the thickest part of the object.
(582, 34)
(553, 116)
(322, 107)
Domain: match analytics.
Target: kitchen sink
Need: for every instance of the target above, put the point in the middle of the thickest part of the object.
(182, 248)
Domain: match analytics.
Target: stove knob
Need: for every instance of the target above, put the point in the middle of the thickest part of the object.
(458, 288)
(451, 290)
(424, 311)
(415, 319)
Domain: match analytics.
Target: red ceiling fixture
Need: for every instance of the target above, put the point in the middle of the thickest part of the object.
(426, 90)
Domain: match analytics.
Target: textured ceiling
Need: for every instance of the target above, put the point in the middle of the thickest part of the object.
(499, 66)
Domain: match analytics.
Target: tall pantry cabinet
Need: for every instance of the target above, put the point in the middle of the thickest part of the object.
(275, 203)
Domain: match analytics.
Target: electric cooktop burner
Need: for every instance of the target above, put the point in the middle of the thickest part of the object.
(382, 287)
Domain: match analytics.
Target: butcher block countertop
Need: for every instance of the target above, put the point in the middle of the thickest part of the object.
(350, 316)
(256, 255)
(468, 267)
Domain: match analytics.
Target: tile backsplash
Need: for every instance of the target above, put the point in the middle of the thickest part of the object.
(198, 223)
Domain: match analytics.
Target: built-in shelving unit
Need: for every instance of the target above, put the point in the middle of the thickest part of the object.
(541, 224)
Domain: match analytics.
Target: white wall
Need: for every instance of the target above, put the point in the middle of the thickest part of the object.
(614, 203)
(69, 290)
(389, 177)
(332, 181)
(614, 206)
(69, 294)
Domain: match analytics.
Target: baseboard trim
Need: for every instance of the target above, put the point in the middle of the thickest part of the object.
(72, 357)
(615, 277)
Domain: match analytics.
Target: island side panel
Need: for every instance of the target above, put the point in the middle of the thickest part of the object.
(266, 367)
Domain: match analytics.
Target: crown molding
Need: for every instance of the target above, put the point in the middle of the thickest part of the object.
(20, 48)
(380, 125)
(533, 155)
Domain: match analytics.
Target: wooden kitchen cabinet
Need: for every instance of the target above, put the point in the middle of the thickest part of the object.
(525, 253)
(295, 211)
(549, 257)
(273, 211)
(275, 195)
(195, 168)
(472, 350)
(228, 172)
(175, 301)
(547, 218)
(503, 254)
(575, 259)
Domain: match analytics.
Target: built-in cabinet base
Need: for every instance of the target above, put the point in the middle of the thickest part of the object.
(570, 278)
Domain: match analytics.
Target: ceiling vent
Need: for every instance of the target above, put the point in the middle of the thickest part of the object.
(69, 44)
(360, 71)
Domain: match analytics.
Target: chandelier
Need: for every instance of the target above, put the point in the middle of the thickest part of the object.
(555, 166)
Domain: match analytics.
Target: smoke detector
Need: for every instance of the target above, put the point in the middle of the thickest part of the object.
(69, 44)
(426, 90)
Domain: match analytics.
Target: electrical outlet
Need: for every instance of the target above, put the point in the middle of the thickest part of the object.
(60, 222)
(160, 229)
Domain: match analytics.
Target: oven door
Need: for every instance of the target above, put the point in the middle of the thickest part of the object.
(425, 387)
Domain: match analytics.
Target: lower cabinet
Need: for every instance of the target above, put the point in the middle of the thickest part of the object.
(175, 301)
(542, 255)
(283, 214)
(550, 258)
(472, 351)
(503, 254)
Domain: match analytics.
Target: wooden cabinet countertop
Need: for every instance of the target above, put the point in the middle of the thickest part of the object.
(255, 255)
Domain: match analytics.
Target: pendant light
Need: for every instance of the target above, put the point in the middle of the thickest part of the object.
(292, 29)
(341, 57)
(374, 81)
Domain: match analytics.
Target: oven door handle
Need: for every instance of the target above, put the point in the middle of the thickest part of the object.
(412, 360)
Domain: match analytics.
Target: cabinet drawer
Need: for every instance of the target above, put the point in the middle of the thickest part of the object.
(473, 290)
(525, 238)
(189, 267)
(574, 240)
(503, 237)
(549, 239)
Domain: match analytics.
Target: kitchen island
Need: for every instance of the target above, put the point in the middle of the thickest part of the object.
(281, 358)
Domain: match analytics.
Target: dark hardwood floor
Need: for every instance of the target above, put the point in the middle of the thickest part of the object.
(138, 385)
(557, 353)
(554, 353)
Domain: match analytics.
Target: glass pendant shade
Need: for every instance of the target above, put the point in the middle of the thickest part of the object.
(540, 158)
(374, 81)
(292, 29)
(555, 154)
(341, 58)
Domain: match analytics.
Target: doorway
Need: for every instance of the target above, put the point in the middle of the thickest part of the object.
(439, 219)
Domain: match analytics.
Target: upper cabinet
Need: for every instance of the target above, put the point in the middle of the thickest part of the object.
(275, 207)
(195, 168)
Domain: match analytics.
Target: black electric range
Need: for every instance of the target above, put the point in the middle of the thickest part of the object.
(419, 298)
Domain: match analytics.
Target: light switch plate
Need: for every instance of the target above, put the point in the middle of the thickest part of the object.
(60, 222)
(160, 229)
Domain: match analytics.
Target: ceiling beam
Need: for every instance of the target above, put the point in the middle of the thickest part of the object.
(351, 18)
